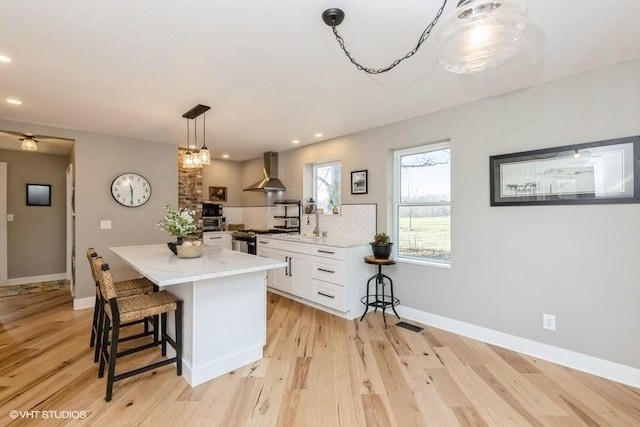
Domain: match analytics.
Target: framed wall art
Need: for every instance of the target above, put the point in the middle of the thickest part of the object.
(38, 195)
(218, 194)
(595, 172)
(359, 182)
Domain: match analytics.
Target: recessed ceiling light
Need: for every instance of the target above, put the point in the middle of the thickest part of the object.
(14, 101)
(4, 58)
(225, 156)
(319, 135)
(295, 141)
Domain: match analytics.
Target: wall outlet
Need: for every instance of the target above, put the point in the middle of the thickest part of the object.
(105, 224)
(9, 217)
(549, 321)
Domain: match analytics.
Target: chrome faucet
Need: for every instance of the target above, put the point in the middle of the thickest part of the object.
(316, 231)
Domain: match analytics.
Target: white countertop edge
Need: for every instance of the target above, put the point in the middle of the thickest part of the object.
(163, 268)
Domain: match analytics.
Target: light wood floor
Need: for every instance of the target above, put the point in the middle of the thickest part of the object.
(318, 370)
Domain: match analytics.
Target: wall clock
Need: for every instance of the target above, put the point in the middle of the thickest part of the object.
(131, 190)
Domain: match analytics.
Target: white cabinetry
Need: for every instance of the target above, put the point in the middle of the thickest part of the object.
(327, 277)
(217, 238)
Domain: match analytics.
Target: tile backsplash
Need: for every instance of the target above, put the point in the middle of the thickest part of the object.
(355, 222)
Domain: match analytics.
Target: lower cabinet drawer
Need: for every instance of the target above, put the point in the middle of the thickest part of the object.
(329, 294)
(328, 270)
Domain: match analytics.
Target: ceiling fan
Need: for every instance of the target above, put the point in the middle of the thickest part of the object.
(30, 141)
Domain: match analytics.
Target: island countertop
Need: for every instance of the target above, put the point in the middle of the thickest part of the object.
(158, 264)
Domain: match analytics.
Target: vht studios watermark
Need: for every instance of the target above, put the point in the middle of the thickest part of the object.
(53, 415)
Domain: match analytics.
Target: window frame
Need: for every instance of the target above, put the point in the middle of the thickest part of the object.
(397, 204)
(314, 180)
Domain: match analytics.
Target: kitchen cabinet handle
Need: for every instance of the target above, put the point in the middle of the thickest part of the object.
(214, 238)
(326, 252)
(325, 295)
(326, 271)
(286, 269)
(290, 267)
(263, 242)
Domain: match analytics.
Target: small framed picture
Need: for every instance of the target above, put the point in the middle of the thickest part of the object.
(359, 182)
(218, 194)
(38, 195)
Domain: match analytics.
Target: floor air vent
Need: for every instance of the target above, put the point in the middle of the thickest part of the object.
(409, 326)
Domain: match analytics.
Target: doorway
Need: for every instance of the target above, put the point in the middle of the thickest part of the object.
(3, 224)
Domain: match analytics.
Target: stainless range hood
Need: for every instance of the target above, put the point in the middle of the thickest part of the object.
(270, 182)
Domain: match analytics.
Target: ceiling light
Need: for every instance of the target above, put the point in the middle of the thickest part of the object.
(4, 58)
(205, 155)
(14, 101)
(318, 135)
(195, 155)
(193, 159)
(480, 34)
(29, 143)
(295, 141)
(225, 156)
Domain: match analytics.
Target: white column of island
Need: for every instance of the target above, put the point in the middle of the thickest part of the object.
(224, 294)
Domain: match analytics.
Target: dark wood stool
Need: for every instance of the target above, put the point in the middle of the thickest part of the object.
(380, 299)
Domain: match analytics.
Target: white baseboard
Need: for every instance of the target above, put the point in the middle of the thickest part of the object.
(36, 279)
(82, 303)
(582, 362)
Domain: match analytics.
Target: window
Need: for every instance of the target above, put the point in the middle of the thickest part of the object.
(422, 203)
(326, 185)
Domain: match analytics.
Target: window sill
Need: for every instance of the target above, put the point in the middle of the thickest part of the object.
(404, 260)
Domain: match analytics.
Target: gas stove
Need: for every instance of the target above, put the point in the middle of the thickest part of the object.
(249, 235)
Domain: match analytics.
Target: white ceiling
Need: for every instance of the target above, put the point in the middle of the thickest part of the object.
(270, 70)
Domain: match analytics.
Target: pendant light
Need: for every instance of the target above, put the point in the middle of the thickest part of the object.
(481, 34)
(205, 156)
(192, 159)
(195, 156)
(187, 161)
(29, 143)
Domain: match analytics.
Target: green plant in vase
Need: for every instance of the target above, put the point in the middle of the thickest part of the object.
(381, 246)
(179, 223)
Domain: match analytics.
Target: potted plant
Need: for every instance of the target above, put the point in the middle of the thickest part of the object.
(180, 224)
(334, 206)
(381, 246)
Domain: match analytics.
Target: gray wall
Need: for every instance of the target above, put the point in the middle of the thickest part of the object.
(223, 173)
(37, 231)
(511, 264)
(99, 159)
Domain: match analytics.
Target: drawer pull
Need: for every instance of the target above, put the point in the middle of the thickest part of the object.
(325, 295)
(326, 271)
(326, 252)
(214, 238)
(263, 242)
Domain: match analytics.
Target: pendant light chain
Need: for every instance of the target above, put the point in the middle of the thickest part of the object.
(423, 37)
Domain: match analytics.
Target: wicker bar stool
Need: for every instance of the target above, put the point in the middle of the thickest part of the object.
(123, 289)
(128, 309)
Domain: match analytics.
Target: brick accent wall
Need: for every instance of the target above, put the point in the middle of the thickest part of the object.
(190, 188)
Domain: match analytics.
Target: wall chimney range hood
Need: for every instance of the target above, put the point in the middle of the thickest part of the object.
(270, 182)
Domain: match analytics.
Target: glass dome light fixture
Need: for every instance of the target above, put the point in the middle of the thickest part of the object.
(195, 155)
(29, 143)
(481, 34)
(187, 160)
(205, 155)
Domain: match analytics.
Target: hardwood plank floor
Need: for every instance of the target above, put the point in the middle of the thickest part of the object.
(318, 370)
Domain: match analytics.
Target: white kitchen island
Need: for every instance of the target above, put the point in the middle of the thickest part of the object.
(224, 294)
